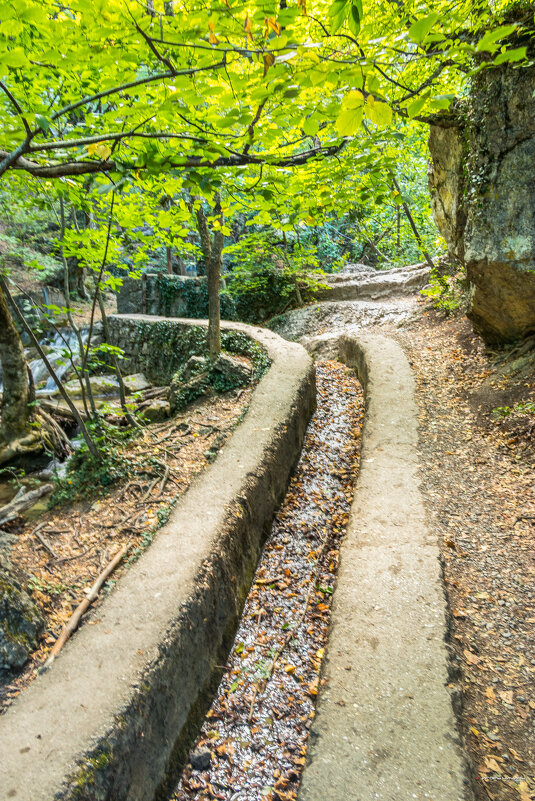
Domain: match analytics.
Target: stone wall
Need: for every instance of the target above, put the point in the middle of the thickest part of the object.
(114, 716)
(482, 182)
(168, 295)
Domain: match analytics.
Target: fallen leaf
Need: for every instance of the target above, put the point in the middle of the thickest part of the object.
(507, 696)
(492, 764)
(470, 657)
(491, 695)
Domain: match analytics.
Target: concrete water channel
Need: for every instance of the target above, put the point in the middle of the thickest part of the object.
(253, 740)
(117, 715)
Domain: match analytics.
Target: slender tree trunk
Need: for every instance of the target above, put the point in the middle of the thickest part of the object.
(412, 224)
(15, 410)
(4, 291)
(212, 248)
(169, 262)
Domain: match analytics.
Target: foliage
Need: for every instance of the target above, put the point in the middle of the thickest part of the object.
(88, 475)
(171, 346)
(448, 293)
(268, 275)
(185, 298)
(205, 379)
(18, 254)
(520, 408)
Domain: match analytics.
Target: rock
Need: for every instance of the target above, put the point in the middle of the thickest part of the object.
(483, 171)
(193, 366)
(367, 283)
(200, 759)
(135, 383)
(181, 393)
(446, 186)
(20, 622)
(100, 385)
(156, 411)
(235, 372)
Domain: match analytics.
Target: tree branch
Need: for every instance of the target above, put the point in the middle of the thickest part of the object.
(70, 168)
(161, 76)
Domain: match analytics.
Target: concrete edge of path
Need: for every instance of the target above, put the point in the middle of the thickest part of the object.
(385, 727)
(110, 721)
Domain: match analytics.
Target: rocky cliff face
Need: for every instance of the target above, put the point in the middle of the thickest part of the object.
(482, 181)
(446, 184)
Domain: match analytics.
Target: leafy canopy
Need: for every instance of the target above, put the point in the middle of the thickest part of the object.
(122, 86)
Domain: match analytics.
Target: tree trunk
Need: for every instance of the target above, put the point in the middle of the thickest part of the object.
(214, 312)
(412, 224)
(169, 260)
(15, 410)
(212, 248)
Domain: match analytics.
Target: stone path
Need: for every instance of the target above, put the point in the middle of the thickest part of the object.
(385, 727)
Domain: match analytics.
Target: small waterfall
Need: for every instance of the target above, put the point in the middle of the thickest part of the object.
(64, 347)
(58, 347)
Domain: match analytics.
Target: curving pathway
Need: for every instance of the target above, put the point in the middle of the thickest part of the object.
(385, 727)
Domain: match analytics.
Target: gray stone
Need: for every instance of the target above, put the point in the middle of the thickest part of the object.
(136, 382)
(183, 392)
(446, 186)
(233, 370)
(200, 759)
(20, 622)
(482, 183)
(100, 385)
(367, 283)
(156, 411)
(193, 366)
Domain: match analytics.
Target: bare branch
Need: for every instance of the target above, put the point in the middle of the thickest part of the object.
(17, 107)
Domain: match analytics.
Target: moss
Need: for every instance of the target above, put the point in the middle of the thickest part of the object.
(88, 773)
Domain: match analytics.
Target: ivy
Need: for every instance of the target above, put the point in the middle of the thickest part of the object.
(186, 297)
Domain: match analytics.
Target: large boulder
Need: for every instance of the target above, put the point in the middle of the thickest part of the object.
(482, 181)
(446, 185)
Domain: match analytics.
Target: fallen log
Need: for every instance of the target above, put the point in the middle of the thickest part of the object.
(22, 502)
(56, 407)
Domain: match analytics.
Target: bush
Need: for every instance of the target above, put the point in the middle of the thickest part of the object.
(448, 293)
(265, 279)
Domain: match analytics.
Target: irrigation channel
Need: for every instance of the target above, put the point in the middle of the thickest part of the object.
(253, 741)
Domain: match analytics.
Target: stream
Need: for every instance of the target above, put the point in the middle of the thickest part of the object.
(252, 744)
(57, 346)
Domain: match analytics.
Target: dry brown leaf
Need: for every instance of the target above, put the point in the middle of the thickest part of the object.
(492, 764)
(491, 695)
(507, 696)
(471, 658)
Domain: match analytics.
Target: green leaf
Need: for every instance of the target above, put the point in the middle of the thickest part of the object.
(43, 124)
(353, 20)
(310, 126)
(491, 37)
(337, 6)
(419, 29)
(517, 54)
(353, 99)
(377, 112)
(349, 121)
(416, 106)
(338, 20)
